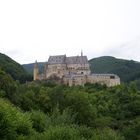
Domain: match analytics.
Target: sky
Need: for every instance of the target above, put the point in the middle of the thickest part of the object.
(35, 29)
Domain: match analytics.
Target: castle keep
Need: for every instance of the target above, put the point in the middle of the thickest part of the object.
(74, 70)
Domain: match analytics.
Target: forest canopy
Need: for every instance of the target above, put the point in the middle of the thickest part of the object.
(48, 111)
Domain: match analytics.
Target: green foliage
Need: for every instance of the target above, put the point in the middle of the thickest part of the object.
(79, 103)
(27, 100)
(106, 134)
(13, 122)
(29, 67)
(62, 133)
(7, 85)
(14, 69)
(39, 120)
(44, 99)
(85, 132)
(132, 131)
(56, 117)
(50, 111)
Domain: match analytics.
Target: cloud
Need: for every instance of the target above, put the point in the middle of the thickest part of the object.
(128, 50)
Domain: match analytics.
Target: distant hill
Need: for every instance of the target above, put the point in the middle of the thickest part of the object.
(128, 70)
(13, 68)
(29, 67)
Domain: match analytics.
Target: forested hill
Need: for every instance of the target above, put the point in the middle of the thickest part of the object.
(128, 70)
(29, 67)
(13, 68)
(43, 110)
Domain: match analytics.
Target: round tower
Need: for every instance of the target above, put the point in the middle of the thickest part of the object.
(81, 52)
(36, 71)
(45, 71)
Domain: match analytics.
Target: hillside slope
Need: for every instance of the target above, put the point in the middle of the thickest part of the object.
(13, 68)
(128, 70)
(29, 67)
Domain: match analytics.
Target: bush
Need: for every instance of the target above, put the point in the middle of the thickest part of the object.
(39, 120)
(106, 134)
(62, 133)
(13, 122)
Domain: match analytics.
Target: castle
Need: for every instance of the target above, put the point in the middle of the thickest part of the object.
(74, 70)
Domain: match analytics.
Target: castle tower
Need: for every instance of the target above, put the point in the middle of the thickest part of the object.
(36, 71)
(81, 52)
(45, 71)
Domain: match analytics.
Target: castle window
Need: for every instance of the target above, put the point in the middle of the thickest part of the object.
(112, 77)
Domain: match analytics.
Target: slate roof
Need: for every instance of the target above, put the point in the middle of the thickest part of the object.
(77, 60)
(62, 59)
(105, 75)
(57, 59)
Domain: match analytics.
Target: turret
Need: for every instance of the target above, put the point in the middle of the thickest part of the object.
(36, 71)
(81, 52)
(45, 71)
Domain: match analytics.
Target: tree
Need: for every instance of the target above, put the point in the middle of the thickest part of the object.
(7, 84)
(13, 122)
(79, 102)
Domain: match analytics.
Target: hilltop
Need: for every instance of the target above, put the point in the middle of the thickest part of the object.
(29, 67)
(127, 70)
(13, 68)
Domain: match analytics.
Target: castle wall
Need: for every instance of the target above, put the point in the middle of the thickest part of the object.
(64, 69)
(79, 80)
(104, 79)
(75, 80)
(56, 69)
(78, 69)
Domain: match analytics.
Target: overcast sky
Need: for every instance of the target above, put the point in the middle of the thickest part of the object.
(34, 29)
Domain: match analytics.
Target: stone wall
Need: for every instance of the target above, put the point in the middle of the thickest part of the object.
(105, 79)
(75, 80)
(78, 69)
(58, 70)
(62, 69)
